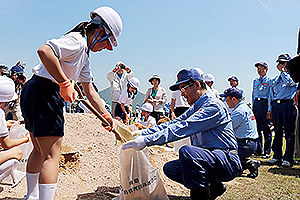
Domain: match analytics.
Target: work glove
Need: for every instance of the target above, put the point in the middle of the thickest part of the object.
(109, 119)
(137, 144)
(67, 91)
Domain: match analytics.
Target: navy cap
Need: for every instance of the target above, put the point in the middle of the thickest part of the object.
(185, 75)
(232, 92)
(262, 63)
(234, 78)
(17, 69)
(283, 57)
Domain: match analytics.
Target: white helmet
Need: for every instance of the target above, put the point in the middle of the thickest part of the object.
(112, 19)
(134, 82)
(209, 78)
(7, 89)
(147, 107)
(201, 72)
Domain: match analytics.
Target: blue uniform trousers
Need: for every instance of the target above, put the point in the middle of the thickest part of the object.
(260, 109)
(284, 117)
(246, 147)
(197, 167)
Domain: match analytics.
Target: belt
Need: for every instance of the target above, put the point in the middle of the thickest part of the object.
(245, 139)
(261, 99)
(282, 100)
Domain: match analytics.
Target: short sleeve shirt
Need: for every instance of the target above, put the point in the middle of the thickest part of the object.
(125, 99)
(179, 100)
(71, 50)
(3, 125)
(151, 120)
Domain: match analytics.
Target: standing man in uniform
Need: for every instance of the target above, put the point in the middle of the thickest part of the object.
(118, 79)
(260, 95)
(244, 126)
(212, 158)
(283, 112)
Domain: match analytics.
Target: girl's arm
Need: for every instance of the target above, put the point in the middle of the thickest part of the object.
(96, 101)
(8, 143)
(14, 153)
(51, 63)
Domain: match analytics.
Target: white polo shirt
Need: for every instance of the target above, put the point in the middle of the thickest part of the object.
(125, 99)
(3, 125)
(180, 101)
(71, 50)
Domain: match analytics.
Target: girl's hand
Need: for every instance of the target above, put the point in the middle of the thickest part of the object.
(67, 91)
(109, 119)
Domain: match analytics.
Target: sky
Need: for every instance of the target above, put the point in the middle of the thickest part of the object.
(162, 36)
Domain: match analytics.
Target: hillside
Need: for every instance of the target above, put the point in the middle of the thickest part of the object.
(105, 94)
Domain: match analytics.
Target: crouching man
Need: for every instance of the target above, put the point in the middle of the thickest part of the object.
(244, 125)
(212, 158)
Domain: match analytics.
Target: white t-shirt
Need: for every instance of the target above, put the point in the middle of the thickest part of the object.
(151, 120)
(180, 101)
(71, 50)
(3, 125)
(124, 99)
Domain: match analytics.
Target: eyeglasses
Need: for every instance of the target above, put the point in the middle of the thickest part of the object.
(183, 89)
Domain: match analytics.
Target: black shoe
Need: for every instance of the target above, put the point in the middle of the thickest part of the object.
(200, 194)
(253, 168)
(217, 189)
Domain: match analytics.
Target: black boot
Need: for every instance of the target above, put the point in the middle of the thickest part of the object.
(253, 168)
(200, 194)
(217, 189)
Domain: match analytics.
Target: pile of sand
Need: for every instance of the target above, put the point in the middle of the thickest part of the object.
(89, 165)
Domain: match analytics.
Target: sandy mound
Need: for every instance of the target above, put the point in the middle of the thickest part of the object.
(89, 165)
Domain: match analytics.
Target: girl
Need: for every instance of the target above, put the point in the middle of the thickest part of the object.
(146, 120)
(11, 154)
(43, 96)
(123, 107)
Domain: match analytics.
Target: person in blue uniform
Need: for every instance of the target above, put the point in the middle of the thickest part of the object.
(260, 95)
(283, 112)
(244, 126)
(212, 158)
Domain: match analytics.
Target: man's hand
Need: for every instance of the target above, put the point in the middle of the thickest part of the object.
(269, 115)
(138, 143)
(296, 97)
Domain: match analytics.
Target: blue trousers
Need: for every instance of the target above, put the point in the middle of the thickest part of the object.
(197, 167)
(284, 118)
(246, 147)
(260, 109)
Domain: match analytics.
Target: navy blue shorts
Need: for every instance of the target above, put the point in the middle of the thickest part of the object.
(42, 107)
(119, 112)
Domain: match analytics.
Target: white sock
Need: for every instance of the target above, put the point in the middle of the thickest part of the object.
(7, 165)
(32, 186)
(47, 191)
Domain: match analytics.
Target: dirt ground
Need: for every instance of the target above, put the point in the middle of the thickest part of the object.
(89, 166)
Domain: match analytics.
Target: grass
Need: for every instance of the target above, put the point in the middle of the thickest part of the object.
(273, 182)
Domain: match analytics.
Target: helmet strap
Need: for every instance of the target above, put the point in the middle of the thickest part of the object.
(95, 41)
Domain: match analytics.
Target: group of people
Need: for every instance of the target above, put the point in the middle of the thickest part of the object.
(219, 137)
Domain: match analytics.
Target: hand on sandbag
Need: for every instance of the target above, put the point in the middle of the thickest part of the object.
(109, 119)
(138, 143)
(67, 91)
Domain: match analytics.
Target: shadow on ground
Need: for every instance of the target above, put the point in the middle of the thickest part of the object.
(108, 193)
(285, 171)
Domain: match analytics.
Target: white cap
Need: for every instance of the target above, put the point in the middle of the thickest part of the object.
(113, 21)
(147, 107)
(209, 78)
(7, 89)
(201, 72)
(134, 82)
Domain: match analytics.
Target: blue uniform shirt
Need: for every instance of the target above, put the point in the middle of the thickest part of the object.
(261, 88)
(244, 123)
(282, 87)
(207, 123)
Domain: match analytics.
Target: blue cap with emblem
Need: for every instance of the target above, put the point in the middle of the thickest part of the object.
(185, 75)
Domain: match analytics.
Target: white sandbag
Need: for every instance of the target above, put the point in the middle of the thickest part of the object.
(15, 175)
(180, 143)
(138, 178)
